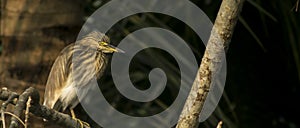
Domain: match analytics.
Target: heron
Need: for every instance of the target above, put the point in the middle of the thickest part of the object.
(76, 65)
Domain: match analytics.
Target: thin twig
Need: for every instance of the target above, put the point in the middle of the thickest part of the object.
(297, 4)
(3, 117)
(11, 96)
(13, 115)
(27, 111)
(220, 124)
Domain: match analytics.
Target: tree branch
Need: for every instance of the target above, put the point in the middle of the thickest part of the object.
(219, 40)
(37, 109)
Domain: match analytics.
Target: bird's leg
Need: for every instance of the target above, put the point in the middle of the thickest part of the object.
(81, 122)
(73, 114)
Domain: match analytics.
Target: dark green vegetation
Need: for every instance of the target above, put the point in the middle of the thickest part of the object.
(263, 65)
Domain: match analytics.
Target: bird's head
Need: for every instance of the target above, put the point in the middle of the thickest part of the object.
(101, 41)
(105, 47)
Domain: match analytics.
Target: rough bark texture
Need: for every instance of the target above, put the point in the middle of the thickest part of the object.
(219, 40)
(37, 109)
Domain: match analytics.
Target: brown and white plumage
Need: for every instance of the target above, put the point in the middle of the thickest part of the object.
(75, 67)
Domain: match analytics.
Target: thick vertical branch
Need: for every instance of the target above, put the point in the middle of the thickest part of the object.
(219, 40)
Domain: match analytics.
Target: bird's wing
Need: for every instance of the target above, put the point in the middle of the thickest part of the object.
(57, 77)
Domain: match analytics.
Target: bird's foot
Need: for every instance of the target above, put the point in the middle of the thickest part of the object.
(82, 123)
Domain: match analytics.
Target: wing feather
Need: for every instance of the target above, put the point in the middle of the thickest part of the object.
(58, 77)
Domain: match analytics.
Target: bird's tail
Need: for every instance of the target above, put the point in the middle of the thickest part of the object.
(58, 105)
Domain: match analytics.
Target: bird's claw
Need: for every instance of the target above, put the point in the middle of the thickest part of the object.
(82, 123)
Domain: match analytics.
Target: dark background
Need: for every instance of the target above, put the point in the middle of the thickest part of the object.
(263, 63)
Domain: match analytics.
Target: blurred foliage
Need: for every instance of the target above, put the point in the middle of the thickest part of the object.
(0, 45)
(150, 58)
(0, 48)
(264, 49)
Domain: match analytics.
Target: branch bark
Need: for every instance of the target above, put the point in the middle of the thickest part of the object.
(36, 109)
(219, 40)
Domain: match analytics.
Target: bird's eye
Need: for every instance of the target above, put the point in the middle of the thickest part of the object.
(103, 43)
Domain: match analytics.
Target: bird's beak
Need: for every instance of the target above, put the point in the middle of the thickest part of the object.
(114, 49)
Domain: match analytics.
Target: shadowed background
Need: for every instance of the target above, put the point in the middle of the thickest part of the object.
(263, 62)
